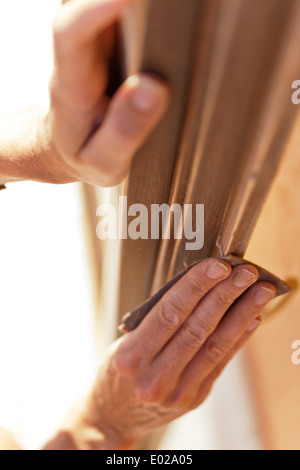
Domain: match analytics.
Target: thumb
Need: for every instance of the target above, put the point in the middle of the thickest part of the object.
(133, 112)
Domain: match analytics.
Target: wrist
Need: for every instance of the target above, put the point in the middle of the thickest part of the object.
(27, 151)
(79, 438)
(82, 430)
(117, 433)
(50, 166)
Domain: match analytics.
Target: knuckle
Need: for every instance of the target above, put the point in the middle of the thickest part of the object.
(195, 285)
(216, 349)
(222, 299)
(179, 402)
(64, 30)
(193, 336)
(218, 370)
(169, 313)
(245, 314)
(126, 362)
(203, 393)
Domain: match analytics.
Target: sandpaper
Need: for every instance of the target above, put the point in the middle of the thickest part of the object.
(133, 319)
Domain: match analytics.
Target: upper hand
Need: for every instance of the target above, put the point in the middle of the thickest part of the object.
(96, 138)
(167, 366)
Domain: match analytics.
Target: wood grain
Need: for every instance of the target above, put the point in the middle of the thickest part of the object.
(273, 378)
(230, 66)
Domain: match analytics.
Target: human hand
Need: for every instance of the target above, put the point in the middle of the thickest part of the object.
(167, 366)
(94, 138)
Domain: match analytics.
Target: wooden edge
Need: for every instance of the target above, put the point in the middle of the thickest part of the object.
(133, 319)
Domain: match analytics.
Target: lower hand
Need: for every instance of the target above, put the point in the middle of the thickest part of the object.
(167, 366)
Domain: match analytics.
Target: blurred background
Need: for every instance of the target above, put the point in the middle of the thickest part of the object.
(49, 350)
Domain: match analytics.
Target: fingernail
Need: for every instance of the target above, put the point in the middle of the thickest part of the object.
(123, 328)
(243, 278)
(148, 93)
(217, 270)
(263, 295)
(254, 325)
(126, 316)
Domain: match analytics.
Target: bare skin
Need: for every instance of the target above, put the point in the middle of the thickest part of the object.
(83, 136)
(167, 366)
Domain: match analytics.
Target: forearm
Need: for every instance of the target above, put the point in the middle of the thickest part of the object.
(70, 440)
(84, 429)
(27, 151)
(75, 439)
(75, 434)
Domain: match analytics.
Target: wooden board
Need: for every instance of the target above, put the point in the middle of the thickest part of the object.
(230, 66)
(273, 378)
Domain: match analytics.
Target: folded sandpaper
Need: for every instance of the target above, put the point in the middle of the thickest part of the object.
(133, 319)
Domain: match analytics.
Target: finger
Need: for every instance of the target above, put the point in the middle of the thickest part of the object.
(231, 329)
(80, 59)
(226, 338)
(79, 22)
(190, 397)
(177, 304)
(206, 386)
(204, 320)
(133, 112)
